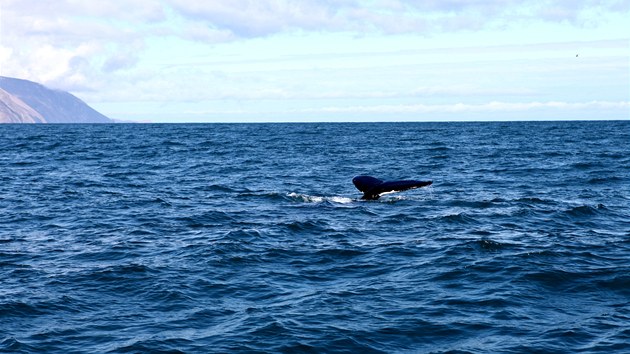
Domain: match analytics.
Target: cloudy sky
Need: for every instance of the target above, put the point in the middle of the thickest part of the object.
(326, 60)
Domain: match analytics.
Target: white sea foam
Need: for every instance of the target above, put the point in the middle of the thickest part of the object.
(319, 199)
(340, 200)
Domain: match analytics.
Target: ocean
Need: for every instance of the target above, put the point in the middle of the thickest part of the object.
(227, 238)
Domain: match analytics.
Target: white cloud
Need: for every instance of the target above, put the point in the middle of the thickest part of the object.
(128, 50)
(554, 110)
(130, 10)
(71, 44)
(197, 31)
(246, 18)
(119, 28)
(464, 108)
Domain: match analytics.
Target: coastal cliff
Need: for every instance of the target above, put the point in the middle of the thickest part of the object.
(23, 101)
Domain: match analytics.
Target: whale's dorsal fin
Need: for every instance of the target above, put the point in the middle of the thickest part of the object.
(372, 188)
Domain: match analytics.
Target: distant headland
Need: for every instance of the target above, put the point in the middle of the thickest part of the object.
(23, 101)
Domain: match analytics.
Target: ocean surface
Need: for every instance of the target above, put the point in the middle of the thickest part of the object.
(252, 238)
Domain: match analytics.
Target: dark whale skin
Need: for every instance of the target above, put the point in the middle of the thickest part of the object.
(372, 187)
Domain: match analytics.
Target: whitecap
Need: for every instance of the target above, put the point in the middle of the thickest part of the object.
(340, 200)
(319, 199)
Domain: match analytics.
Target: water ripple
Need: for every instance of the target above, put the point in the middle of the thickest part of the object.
(252, 238)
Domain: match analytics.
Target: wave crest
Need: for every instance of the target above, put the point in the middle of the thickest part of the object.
(299, 197)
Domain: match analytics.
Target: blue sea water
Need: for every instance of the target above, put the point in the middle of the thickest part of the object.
(252, 238)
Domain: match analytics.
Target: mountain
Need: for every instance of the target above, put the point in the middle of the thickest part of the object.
(23, 101)
(14, 110)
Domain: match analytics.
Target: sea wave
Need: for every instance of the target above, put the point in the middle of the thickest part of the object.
(319, 199)
(252, 238)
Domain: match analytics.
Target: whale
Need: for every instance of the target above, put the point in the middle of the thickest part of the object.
(373, 188)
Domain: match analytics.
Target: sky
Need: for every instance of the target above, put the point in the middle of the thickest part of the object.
(325, 60)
